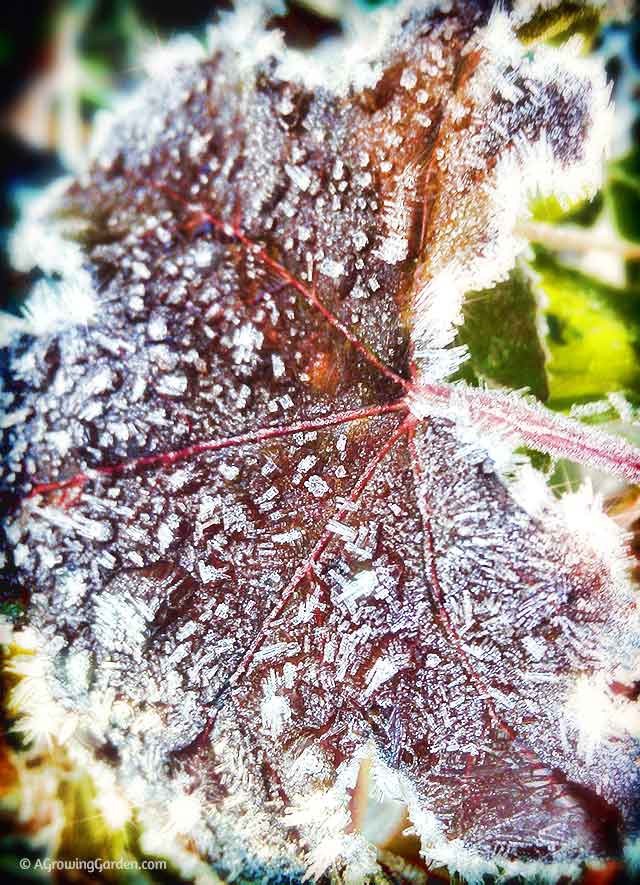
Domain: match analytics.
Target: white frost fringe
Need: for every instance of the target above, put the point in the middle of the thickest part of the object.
(526, 170)
(39, 241)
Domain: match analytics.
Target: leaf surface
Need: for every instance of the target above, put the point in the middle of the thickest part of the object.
(266, 538)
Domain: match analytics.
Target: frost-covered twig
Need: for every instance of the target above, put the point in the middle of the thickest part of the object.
(576, 239)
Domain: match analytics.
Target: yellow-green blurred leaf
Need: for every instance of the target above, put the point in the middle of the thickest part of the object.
(557, 24)
(594, 334)
(623, 194)
(500, 330)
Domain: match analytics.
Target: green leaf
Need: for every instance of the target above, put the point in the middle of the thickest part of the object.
(557, 24)
(500, 329)
(552, 211)
(623, 194)
(13, 850)
(594, 334)
(12, 611)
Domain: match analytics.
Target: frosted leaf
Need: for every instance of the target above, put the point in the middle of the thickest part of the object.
(242, 488)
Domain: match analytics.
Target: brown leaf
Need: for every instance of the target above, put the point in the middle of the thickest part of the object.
(267, 540)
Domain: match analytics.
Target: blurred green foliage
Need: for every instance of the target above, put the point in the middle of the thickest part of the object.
(593, 334)
(516, 358)
(555, 25)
